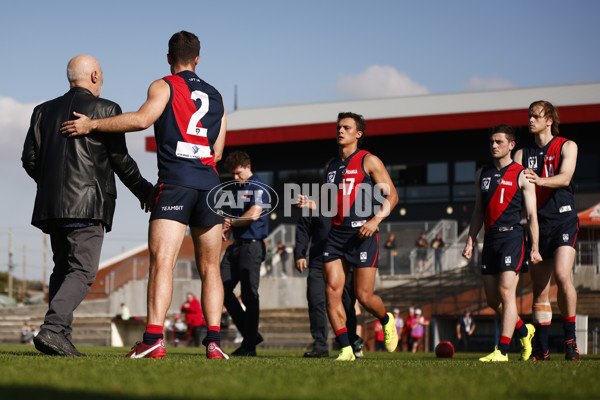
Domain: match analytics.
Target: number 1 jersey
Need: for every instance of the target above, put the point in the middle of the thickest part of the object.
(186, 132)
(502, 199)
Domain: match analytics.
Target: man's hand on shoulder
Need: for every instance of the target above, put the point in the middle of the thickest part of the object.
(76, 127)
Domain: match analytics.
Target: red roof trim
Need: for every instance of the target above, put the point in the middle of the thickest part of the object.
(400, 125)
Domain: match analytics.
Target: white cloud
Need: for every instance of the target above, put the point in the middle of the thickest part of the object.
(14, 122)
(477, 83)
(379, 81)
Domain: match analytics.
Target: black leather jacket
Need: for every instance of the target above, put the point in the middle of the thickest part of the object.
(74, 176)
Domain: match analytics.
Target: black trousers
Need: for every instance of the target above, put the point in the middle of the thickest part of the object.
(76, 255)
(317, 306)
(241, 263)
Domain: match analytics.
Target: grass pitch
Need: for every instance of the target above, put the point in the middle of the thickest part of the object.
(185, 373)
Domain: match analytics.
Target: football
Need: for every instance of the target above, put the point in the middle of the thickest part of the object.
(444, 350)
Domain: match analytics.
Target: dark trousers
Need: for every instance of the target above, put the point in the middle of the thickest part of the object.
(76, 255)
(241, 263)
(317, 306)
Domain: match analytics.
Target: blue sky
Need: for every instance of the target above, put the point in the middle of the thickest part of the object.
(277, 53)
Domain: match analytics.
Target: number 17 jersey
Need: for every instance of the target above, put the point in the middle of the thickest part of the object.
(186, 132)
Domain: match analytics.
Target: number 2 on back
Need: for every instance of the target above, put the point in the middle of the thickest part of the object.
(193, 128)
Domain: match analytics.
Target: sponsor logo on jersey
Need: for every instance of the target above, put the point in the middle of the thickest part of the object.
(172, 208)
(507, 183)
(189, 150)
(485, 184)
(358, 224)
(565, 237)
(363, 256)
(532, 162)
(564, 209)
(507, 260)
(351, 172)
(331, 177)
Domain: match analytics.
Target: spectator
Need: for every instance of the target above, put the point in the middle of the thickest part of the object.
(438, 245)
(194, 318)
(390, 247)
(422, 246)
(465, 328)
(124, 312)
(180, 329)
(410, 321)
(168, 330)
(399, 322)
(26, 334)
(379, 339)
(417, 331)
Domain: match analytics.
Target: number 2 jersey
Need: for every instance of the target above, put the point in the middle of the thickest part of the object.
(554, 205)
(186, 132)
(502, 199)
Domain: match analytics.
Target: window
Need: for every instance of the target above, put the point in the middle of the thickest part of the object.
(464, 171)
(437, 173)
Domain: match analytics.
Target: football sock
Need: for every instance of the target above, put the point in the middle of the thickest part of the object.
(504, 344)
(342, 337)
(521, 328)
(569, 328)
(541, 334)
(152, 334)
(385, 318)
(213, 334)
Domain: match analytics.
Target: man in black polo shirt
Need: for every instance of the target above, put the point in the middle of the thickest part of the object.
(242, 260)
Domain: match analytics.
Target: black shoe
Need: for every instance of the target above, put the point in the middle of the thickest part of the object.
(357, 347)
(243, 352)
(317, 354)
(259, 339)
(55, 344)
(539, 355)
(571, 351)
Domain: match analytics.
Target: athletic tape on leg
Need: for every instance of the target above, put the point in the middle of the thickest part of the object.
(542, 313)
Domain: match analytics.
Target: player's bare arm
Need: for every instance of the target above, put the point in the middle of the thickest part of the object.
(563, 177)
(518, 157)
(476, 219)
(158, 98)
(252, 214)
(529, 198)
(220, 142)
(377, 171)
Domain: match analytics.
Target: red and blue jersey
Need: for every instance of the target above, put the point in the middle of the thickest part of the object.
(502, 198)
(186, 132)
(354, 199)
(553, 204)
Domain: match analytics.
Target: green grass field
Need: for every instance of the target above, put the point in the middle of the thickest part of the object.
(283, 374)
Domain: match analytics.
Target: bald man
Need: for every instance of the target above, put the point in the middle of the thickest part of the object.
(76, 195)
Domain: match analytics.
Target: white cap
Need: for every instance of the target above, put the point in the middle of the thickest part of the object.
(418, 311)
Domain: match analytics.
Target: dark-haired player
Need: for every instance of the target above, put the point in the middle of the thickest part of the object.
(353, 238)
(189, 126)
(550, 163)
(502, 189)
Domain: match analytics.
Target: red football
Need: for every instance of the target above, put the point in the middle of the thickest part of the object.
(444, 350)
